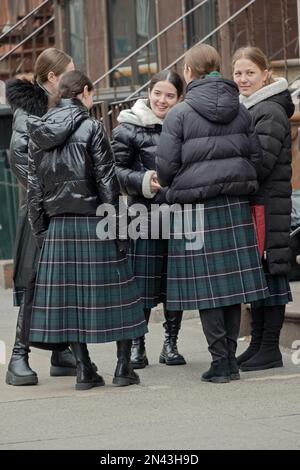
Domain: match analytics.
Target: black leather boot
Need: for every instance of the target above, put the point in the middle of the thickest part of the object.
(269, 355)
(170, 355)
(19, 371)
(124, 373)
(219, 372)
(87, 377)
(63, 364)
(257, 329)
(232, 318)
(138, 357)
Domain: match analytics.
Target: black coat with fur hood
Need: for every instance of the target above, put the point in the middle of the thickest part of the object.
(25, 99)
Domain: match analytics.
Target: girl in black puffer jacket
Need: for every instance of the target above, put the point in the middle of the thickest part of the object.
(135, 143)
(271, 106)
(207, 157)
(85, 289)
(31, 98)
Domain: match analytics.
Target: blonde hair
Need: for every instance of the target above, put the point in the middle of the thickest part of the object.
(256, 56)
(202, 60)
(50, 60)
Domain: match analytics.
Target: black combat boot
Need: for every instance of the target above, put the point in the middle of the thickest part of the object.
(138, 357)
(257, 329)
(63, 364)
(170, 355)
(124, 373)
(269, 355)
(87, 377)
(19, 371)
(219, 372)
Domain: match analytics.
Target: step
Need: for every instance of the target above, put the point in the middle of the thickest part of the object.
(6, 274)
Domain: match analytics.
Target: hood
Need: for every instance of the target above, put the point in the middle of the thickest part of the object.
(139, 115)
(214, 98)
(277, 92)
(30, 97)
(57, 125)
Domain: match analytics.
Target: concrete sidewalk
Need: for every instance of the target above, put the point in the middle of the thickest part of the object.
(171, 409)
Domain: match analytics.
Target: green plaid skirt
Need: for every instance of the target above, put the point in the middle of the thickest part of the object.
(149, 262)
(222, 266)
(85, 290)
(279, 290)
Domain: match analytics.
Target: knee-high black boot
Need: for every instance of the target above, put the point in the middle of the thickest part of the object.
(86, 375)
(213, 324)
(170, 355)
(139, 358)
(19, 371)
(269, 355)
(257, 329)
(124, 373)
(232, 317)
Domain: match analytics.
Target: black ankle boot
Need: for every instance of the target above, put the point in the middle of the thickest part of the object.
(87, 377)
(257, 329)
(170, 355)
(63, 364)
(219, 372)
(124, 373)
(234, 369)
(19, 372)
(269, 355)
(138, 357)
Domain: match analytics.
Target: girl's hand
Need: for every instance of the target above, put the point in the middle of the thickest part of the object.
(155, 186)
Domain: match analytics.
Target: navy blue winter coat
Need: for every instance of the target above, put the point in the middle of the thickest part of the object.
(208, 146)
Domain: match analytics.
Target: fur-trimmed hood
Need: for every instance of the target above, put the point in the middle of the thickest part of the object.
(30, 97)
(139, 115)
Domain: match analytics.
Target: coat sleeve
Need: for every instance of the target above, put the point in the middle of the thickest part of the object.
(255, 155)
(168, 160)
(18, 154)
(37, 216)
(104, 165)
(271, 131)
(133, 182)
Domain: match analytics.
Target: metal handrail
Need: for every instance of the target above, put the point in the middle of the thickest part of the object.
(232, 17)
(25, 18)
(146, 44)
(36, 31)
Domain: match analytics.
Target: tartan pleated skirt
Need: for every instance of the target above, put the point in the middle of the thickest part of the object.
(149, 263)
(222, 266)
(85, 289)
(279, 292)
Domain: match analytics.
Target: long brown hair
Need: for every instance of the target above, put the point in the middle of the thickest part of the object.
(256, 56)
(50, 60)
(202, 60)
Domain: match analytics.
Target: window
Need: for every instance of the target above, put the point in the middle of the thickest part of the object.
(201, 22)
(75, 16)
(130, 24)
